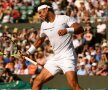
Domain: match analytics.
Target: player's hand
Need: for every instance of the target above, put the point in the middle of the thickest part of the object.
(62, 32)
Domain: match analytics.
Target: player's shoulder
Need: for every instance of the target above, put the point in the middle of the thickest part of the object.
(43, 23)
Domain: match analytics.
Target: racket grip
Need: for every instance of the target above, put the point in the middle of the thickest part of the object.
(30, 60)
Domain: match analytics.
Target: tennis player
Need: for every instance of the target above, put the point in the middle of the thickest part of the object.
(59, 29)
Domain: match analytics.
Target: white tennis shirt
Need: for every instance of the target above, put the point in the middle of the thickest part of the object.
(62, 45)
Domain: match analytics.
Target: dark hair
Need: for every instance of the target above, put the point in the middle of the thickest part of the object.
(46, 3)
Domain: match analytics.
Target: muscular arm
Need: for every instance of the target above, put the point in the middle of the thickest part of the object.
(38, 42)
(78, 29)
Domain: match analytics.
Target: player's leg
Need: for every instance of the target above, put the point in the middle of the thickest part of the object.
(72, 80)
(44, 76)
(69, 66)
(50, 69)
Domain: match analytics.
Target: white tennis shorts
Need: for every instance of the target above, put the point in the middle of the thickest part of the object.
(55, 66)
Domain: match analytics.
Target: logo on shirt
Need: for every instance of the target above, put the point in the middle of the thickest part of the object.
(49, 28)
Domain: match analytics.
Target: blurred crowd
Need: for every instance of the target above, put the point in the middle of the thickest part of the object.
(20, 11)
(91, 47)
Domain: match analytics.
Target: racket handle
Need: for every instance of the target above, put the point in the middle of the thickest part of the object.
(30, 60)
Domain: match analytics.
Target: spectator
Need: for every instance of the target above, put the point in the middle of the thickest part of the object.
(103, 59)
(104, 70)
(101, 29)
(23, 70)
(7, 16)
(7, 4)
(74, 13)
(32, 69)
(8, 77)
(93, 69)
(10, 65)
(88, 36)
(82, 70)
(16, 15)
(17, 65)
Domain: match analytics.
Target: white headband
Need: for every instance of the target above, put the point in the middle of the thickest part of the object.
(43, 6)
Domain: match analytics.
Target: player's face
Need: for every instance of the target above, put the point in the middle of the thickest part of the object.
(43, 14)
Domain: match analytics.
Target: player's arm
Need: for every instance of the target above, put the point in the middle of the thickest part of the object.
(75, 28)
(36, 44)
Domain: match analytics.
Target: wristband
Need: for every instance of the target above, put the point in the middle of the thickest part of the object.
(32, 49)
(70, 30)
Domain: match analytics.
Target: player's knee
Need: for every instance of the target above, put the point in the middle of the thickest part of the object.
(72, 82)
(37, 82)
